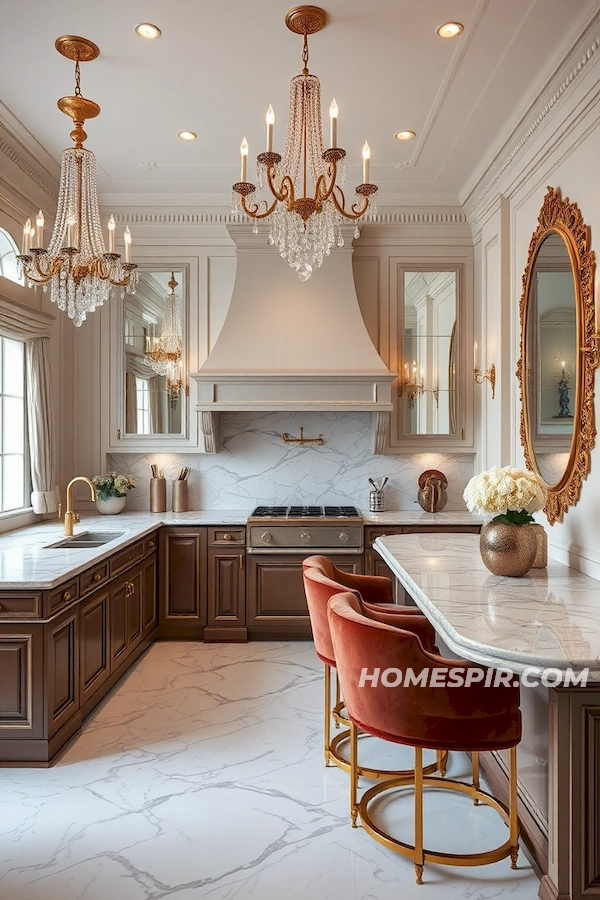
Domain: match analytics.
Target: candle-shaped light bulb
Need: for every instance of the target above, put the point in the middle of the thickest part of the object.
(475, 356)
(270, 122)
(244, 159)
(71, 220)
(127, 239)
(111, 234)
(39, 222)
(333, 120)
(366, 155)
(26, 236)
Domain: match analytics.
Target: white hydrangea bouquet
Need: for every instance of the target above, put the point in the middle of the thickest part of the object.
(112, 484)
(510, 495)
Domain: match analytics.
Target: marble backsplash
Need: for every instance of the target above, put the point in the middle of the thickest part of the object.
(255, 466)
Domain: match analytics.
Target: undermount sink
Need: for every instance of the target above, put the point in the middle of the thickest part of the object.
(85, 539)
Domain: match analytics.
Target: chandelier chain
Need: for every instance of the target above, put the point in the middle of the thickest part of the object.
(77, 79)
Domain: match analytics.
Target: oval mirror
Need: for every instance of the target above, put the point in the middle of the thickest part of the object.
(558, 355)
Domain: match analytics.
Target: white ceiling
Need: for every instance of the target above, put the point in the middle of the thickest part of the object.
(217, 67)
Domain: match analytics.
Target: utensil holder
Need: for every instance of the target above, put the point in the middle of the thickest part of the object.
(180, 496)
(158, 495)
(376, 501)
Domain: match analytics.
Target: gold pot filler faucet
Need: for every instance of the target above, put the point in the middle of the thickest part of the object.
(72, 518)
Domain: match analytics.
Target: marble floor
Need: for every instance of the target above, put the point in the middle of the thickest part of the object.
(201, 776)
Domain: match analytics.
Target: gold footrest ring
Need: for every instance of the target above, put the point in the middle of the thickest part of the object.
(405, 776)
(507, 849)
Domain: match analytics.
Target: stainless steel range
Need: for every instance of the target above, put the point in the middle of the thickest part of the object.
(305, 530)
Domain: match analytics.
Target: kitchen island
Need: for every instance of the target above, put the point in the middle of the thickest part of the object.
(548, 619)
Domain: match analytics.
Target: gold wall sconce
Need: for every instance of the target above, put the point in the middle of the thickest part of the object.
(414, 388)
(482, 374)
(288, 439)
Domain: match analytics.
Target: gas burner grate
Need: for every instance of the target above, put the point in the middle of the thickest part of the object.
(341, 512)
(300, 512)
(274, 512)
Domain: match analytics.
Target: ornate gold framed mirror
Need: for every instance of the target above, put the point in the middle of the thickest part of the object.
(559, 352)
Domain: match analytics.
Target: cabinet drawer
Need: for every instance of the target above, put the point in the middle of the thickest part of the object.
(126, 558)
(95, 577)
(372, 533)
(22, 606)
(63, 595)
(226, 537)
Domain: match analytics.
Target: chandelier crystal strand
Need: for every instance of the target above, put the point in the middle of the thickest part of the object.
(75, 264)
(308, 207)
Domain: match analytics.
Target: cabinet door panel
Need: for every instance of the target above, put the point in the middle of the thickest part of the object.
(134, 608)
(149, 610)
(183, 589)
(94, 627)
(21, 681)
(226, 588)
(62, 670)
(118, 624)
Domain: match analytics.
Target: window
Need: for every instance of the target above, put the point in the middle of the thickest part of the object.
(8, 257)
(143, 405)
(13, 445)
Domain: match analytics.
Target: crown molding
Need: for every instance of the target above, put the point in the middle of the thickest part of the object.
(475, 205)
(222, 218)
(10, 153)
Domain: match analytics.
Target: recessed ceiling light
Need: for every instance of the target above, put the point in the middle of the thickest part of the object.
(148, 30)
(404, 135)
(187, 135)
(449, 29)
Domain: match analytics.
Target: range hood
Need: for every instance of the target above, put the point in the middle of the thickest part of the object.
(292, 345)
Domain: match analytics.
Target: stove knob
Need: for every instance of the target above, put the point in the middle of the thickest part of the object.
(344, 537)
(267, 537)
(305, 536)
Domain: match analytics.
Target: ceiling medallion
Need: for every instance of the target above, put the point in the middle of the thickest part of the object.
(80, 272)
(308, 206)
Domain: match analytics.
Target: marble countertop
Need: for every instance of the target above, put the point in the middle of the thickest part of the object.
(548, 619)
(26, 561)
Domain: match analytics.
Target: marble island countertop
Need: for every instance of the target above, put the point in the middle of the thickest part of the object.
(548, 619)
(26, 560)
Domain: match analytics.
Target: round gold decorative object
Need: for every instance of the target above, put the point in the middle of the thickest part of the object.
(78, 108)
(79, 49)
(306, 19)
(334, 154)
(268, 158)
(508, 549)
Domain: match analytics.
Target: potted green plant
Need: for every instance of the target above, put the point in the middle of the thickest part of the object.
(507, 543)
(112, 491)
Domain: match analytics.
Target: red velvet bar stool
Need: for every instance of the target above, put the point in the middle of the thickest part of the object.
(320, 585)
(467, 717)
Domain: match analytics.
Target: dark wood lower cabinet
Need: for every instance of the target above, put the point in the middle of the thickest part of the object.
(226, 596)
(275, 602)
(53, 672)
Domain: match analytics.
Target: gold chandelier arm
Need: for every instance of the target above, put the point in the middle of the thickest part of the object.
(286, 192)
(322, 192)
(254, 213)
(355, 214)
(54, 267)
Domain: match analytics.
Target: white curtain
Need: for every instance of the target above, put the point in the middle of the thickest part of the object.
(131, 426)
(24, 324)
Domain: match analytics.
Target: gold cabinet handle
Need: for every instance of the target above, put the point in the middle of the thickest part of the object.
(98, 577)
(151, 543)
(0, 607)
(227, 537)
(241, 559)
(66, 596)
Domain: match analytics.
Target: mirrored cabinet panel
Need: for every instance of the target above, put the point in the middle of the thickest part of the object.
(153, 355)
(427, 371)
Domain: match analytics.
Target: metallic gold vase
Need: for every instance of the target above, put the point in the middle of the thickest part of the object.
(508, 549)
(158, 495)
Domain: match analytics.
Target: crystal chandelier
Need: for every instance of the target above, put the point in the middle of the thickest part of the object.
(163, 352)
(304, 226)
(75, 264)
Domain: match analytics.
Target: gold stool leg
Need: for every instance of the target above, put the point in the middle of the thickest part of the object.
(327, 723)
(353, 773)
(419, 860)
(476, 784)
(512, 807)
(337, 696)
(441, 757)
